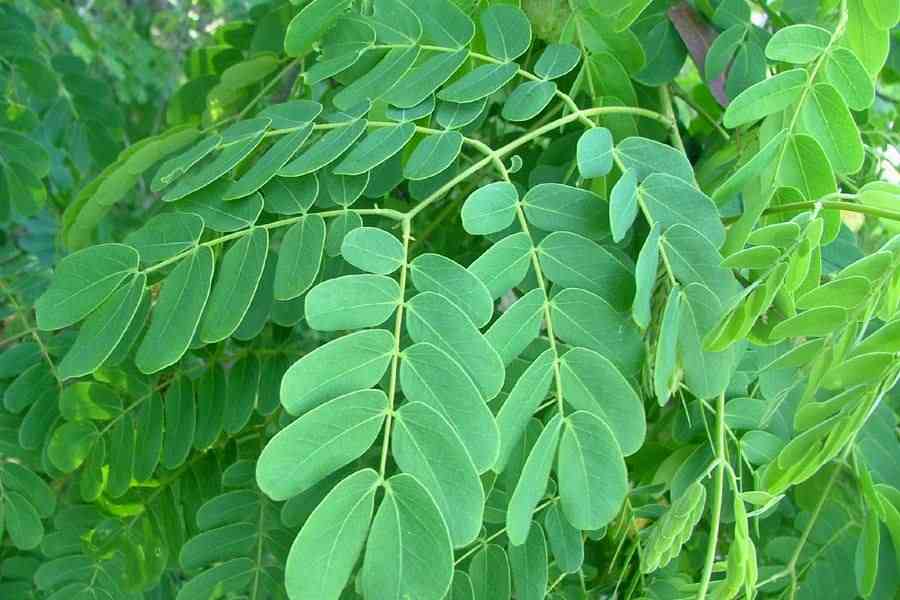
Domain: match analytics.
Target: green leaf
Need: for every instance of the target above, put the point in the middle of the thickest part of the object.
(350, 363)
(665, 379)
(375, 148)
(558, 207)
(849, 77)
(421, 82)
(439, 274)
(461, 588)
(490, 208)
(177, 312)
(178, 165)
(342, 190)
(752, 168)
(230, 576)
(103, 330)
(766, 97)
(815, 322)
(429, 375)
(299, 257)
(351, 302)
(435, 319)
(479, 83)
(212, 397)
(236, 283)
(504, 265)
(846, 292)
(528, 100)
(243, 386)
(585, 319)
(165, 236)
(325, 150)
(219, 215)
(507, 31)
(706, 374)
(593, 480)
(23, 523)
(340, 227)
(426, 446)
(231, 155)
(518, 326)
(231, 541)
(320, 442)
(33, 489)
(572, 261)
(433, 154)
(866, 558)
(268, 165)
(373, 250)
(565, 541)
(590, 382)
(71, 443)
(693, 259)
(885, 15)
(527, 394)
(292, 114)
(489, 573)
(409, 552)
(643, 157)
(884, 339)
(668, 201)
(645, 278)
(310, 24)
(557, 60)
(825, 117)
(528, 564)
(380, 80)
(532, 483)
(444, 24)
(453, 115)
(328, 546)
(722, 50)
(290, 196)
(798, 44)
(594, 153)
(181, 422)
(82, 282)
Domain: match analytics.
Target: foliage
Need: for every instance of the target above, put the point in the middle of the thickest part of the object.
(453, 299)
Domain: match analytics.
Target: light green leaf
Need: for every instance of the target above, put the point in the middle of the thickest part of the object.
(433, 154)
(479, 83)
(238, 277)
(528, 100)
(866, 558)
(643, 157)
(693, 259)
(375, 148)
(585, 319)
(825, 117)
(409, 554)
(532, 483)
(177, 312)
(310, 24)
(351, 302)
(664, 367)
(178, 165)
(528, 564)
(706, 374)
(490, 208)
(103, 330)
(320, 442)
(557, 60)
(798, 44)
(380, 80)
(372, 249)
(504, 265)
(219, 215)
(435, 319)
(573, 261)
(518, 326)
(328, 546)
(71, 443)
(268, 164)
(439, 274)
(523, 401)
(421, 82)
(489, 573)
(815, 322)
(558, 207)
(350, 363)
(668, 201)
(593, 480)
(849, 77)
(595, 153)
(325, 150)
(766, 97)
(165, 236)
(82, 282)
(507, 31)
(429, 375)
(846, 292)
(590, 382)
(426, 446)
(752, 168)
(645, 278)
(884, 14)
(299, 257)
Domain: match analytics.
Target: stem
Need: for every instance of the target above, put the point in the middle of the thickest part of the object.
(717, 499)
(665, 98)
(874, 211)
